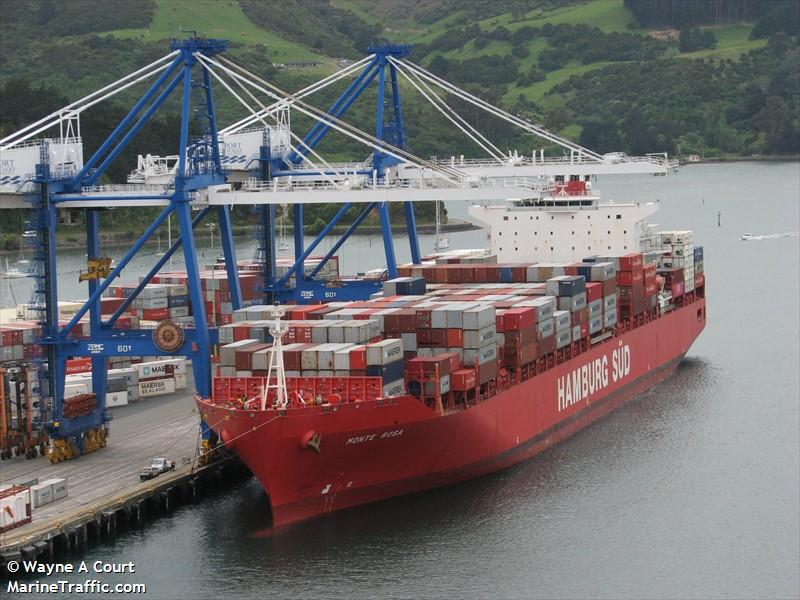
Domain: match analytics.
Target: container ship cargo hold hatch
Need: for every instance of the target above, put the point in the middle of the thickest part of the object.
(468, 363)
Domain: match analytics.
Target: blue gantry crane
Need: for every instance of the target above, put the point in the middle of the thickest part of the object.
(50, 175)
(77, 430)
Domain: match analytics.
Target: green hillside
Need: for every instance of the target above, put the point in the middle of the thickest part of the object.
(219, 19)
(535, 57)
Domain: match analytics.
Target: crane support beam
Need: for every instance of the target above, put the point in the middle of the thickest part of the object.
(153, 271)
(307, 252)
(335, 248)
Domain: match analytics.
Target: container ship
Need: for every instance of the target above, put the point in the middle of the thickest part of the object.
(470, 362)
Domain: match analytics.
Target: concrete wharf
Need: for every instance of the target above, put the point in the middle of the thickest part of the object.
(105, 493)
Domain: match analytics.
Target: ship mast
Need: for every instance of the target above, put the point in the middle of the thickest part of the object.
(277, 330)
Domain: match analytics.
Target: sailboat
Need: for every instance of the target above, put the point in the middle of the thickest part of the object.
(282, 245)
(158, 237)
(439, 242)
(13, 272)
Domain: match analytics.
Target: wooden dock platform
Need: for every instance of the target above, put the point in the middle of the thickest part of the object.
(105, 492)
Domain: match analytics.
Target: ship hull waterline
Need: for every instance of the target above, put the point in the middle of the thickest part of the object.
(369, 451)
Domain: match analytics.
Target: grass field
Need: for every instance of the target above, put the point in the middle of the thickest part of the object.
(216, 18)
(732, 42)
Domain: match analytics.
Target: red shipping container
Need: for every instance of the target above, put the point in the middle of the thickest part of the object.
(454, 338)
(423, 316)
(631, 262)
(438, 337)
(594, 291)
(519, 318)
(547, 345)
(627, 278)
(650, 289)
(499, 319)
(243, 359)
(584, 330)
(580, 316)
(609, 287)
(699, 280)
(155, 314)
(424, 337)
(462, 380)
(358, 358)
(487, 371)
(79, 365)
(649, 271)
(408, 320)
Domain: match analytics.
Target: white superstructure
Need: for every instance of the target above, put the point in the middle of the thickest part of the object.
(564, 226)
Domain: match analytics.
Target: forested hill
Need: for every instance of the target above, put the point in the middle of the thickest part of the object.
(711, 77)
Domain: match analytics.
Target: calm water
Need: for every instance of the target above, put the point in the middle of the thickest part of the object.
(690, 491)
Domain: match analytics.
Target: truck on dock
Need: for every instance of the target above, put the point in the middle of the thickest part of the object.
(156, 468)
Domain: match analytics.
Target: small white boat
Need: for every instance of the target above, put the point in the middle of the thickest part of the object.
(746, 236)
(439, 243)
(13, 272)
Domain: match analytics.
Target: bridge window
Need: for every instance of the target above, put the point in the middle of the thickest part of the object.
(505, 218)
(619, 217)
(624, 231)
(573, 217)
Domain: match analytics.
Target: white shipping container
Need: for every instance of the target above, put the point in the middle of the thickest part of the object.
(41, 494)
(260, 359)
(563, 338)
(562, 320)
(59, 487)
(115, 399)
(596, 324)
(409, 341)
(308, 359)
(15, 508)
(341, 360)
(131, 375)
(479, 317)
(478, 339)
(159, 368)
(156, 387)
(395, 388)
(384, 352)
(180, 381)
(444, 386)
(151, 303)
(358, 332)
(75, 389)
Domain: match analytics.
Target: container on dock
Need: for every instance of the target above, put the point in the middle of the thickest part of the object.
(15, 507)
(116, 399)
(41, 494)
(59, 488)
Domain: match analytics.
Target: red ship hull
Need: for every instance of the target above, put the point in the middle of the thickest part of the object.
(369, 451)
